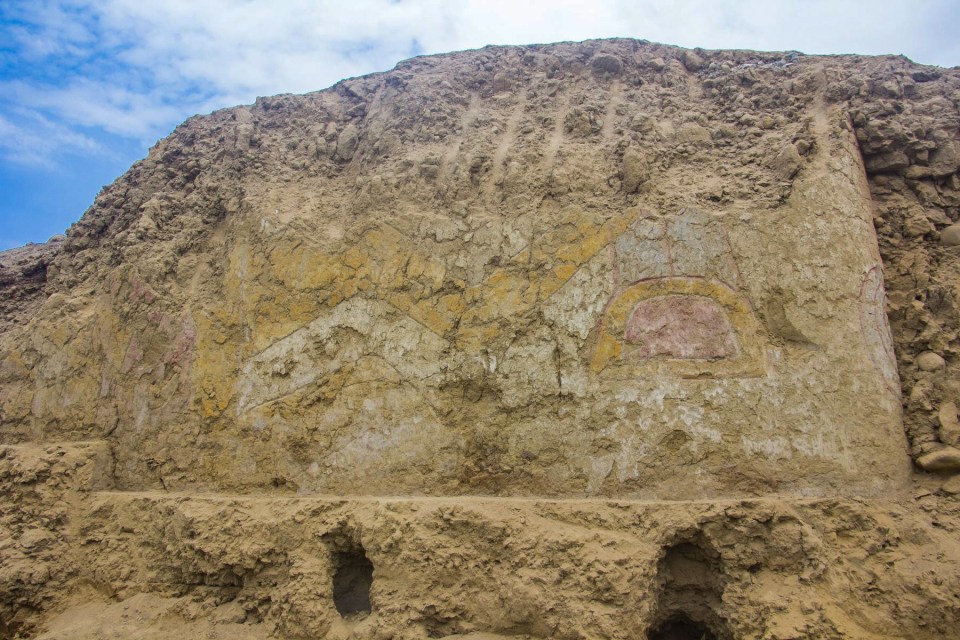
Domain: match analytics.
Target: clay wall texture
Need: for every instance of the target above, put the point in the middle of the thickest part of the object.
(568, 271)
(589, 340)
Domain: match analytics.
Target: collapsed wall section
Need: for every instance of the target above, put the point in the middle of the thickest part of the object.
(908, 128)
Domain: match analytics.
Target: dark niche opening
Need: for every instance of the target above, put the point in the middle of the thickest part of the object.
(689, 599)
(681, 628)
(352, 579)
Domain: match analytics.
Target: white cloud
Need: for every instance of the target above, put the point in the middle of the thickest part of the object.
(97, 104)
(53, 30)
(137, 68)
(36, 141)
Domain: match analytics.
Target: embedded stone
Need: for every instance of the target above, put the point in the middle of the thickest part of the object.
(949, 424)
(347, 143)
(945, 160)
(693, 133)
(943, 459)
(930, 361)
(636, 170)
(787, 162)
(951, 235)
(889, 162)
(607, 64)
(691, 61)
(951, 485)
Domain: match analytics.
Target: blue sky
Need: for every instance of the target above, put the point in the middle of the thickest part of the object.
(87, 86)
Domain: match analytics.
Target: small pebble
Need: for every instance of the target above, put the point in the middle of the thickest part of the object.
(930, 361)
(952, 485)
(951, 235)
(943, 459)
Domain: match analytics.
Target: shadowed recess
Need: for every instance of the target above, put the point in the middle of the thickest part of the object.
(692, 582)
(681, 628)
(352, 580)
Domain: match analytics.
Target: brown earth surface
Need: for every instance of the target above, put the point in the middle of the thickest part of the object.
(23, 277)
(597, 340)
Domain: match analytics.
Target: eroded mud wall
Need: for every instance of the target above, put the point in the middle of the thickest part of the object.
(596, 272)
(572, 270)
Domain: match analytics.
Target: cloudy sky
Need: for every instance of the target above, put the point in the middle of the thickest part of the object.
(87, 86)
